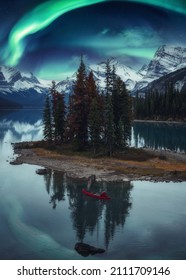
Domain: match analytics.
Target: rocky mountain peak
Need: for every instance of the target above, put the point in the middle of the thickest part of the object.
(167, 59)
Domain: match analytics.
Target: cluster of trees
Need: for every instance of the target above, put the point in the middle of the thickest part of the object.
(171, 104)
(93, 118)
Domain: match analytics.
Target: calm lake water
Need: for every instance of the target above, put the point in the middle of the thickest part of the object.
(43, 217)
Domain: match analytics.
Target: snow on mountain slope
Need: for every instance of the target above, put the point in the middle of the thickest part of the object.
(25, 88)
(12, 80)
(167, 59)
(10, 74)
(66, 86)
(176, 78)
(127, 74)
(20, 87)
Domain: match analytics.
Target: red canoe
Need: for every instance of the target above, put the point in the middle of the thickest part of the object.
(103, 195)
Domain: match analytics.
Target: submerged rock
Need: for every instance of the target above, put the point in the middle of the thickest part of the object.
(42, 171)
(15, 162)
(85, 249)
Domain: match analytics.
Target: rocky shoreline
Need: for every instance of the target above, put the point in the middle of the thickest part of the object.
(104, 169)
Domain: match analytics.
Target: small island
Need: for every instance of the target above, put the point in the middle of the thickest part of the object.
(132, 164)
(90, 133)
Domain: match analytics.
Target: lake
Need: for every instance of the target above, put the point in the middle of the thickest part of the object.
(43, 217)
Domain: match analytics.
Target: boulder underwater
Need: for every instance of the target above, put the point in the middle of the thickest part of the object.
(42, 171)
(85, 249)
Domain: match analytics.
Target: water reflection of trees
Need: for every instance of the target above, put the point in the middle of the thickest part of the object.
(88, 213)
(54, 187)
(117, 209)
(160, 136)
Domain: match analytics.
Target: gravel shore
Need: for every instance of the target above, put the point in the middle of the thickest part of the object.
(104, 169)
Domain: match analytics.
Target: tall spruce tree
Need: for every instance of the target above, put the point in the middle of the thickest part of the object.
(80, 115)
(69, 131)
(117, 110)
(126, 111)
(95, 124)
(47, 122)
(59, 116)
(108, 78)
(58, 113)
(109, 126)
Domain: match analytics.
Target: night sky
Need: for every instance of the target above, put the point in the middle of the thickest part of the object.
(48, 37)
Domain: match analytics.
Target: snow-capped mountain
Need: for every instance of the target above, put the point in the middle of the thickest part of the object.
(19, 87)
(177, 78)
(66, 86)
(167, 59)
(127, 74)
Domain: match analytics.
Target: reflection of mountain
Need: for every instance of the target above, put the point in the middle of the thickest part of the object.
(90, 215)
(8, 104)
(22, 125)
(161, 136)
(23, 116)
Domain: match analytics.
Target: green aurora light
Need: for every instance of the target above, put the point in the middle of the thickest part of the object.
(44, 14)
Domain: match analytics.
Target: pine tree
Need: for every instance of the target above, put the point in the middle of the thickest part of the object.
(95, 124)
(69, 131)
(117, 110)
(122, 109)
(109, 126)
(127, 114)
(59, 116)
(80, 115)
(58, 113)
(47, 130)
(108, 78)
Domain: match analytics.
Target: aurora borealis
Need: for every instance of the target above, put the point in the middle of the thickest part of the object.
(46, 37)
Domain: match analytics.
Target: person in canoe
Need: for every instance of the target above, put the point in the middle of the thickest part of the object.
(87, 191)
(103, 195)
(91, 180)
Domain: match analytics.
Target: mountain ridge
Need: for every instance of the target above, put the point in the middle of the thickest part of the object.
(25, 89)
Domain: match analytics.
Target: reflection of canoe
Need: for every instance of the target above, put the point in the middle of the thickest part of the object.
(103, 195)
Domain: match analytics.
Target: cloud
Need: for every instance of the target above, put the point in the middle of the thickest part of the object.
(136, 41)
(140, 37)
(59, 70)
(44, 14)
(104, 31)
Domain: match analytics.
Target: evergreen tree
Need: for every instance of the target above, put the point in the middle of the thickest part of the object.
(122, 109)
(95, 124)
(126, 116)
(59, 117)
(69, 131)
(58, 113)
(117, 109)
(166, 105)
(80, 114)
(109, 126)
(91, 88)
(108, 78)
(47, 130)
